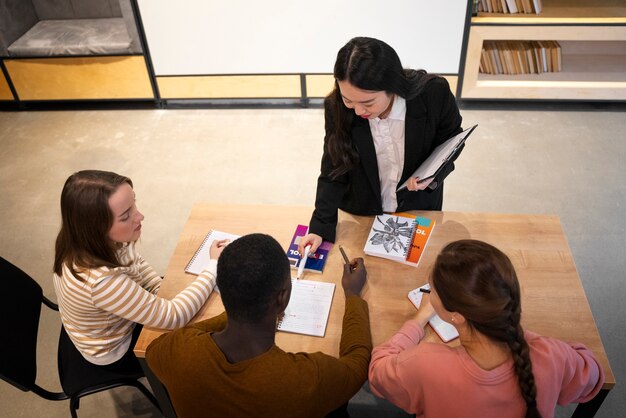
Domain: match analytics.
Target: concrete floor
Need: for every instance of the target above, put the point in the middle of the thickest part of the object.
(550, 159)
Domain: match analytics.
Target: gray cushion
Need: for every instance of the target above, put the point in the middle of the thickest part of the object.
(74, 37)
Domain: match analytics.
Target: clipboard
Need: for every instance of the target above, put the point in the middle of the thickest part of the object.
(439, 157)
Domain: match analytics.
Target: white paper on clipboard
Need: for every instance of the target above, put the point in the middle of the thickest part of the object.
(439, 157)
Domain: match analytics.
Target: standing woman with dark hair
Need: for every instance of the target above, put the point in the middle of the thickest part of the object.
(499, 370)
(103, 285)
(382, 122)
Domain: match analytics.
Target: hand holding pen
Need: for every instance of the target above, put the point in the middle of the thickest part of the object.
(354, 275)
(345, 258)
(217, 247)
(426, 310)
(312, 240)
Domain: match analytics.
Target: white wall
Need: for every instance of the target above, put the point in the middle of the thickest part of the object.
(291, 36)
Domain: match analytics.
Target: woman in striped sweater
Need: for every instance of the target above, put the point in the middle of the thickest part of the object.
(105, 289)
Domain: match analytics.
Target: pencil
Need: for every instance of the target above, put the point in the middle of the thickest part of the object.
(343, 254)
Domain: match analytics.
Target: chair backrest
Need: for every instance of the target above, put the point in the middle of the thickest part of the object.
(77, 9)
(19, 312)
(16, 17)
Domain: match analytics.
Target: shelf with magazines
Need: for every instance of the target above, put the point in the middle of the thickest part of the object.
(591, 38)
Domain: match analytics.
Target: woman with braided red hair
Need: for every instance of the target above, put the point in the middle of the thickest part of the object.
(499, 370)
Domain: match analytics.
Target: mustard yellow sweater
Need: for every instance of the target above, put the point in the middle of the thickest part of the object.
(201, 382)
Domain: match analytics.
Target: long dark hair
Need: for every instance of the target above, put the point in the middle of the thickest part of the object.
(86, 220)
(368, 64)
(478, 281)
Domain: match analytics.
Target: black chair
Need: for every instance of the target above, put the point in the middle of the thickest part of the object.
(19, 312)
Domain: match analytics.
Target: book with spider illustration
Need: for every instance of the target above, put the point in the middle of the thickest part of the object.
(399, 237)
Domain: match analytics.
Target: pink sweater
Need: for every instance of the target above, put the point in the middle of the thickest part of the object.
(434, 380)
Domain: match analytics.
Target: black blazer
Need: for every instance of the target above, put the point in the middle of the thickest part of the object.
(431, 118)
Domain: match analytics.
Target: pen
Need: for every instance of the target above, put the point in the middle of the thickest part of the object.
(303, 261)
(424, 290)
(343, 254)
(345, 258)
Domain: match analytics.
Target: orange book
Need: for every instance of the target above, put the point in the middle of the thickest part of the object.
(423, 229)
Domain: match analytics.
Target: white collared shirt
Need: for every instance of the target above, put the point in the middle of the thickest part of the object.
(388, 135)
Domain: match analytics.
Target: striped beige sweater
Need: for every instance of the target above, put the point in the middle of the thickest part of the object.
(99, 309)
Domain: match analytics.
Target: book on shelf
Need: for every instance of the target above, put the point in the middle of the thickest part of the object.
(501, 58)
(314, 262)
(400, 237)
(512, 6)
(530, 58)
(200, 259)
(537, 6)
(509, 6)
(520, 57)
(308, 309)
(557, 57)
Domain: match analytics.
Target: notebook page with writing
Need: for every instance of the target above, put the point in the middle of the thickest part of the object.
(200, 259)
(308, 309)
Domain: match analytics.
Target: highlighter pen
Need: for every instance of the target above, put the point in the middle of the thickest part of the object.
(303, 261)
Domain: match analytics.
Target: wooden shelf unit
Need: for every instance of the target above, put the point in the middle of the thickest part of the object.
(592, 34)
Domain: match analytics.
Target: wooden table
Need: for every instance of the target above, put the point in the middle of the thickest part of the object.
(553, 299)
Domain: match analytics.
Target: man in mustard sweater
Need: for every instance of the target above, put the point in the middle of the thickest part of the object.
(230, 366)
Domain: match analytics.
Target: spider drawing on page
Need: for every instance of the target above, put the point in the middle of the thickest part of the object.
(391, 237)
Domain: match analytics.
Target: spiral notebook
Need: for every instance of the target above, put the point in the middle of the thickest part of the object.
(399, 237)
(308, 309)
(200, 259)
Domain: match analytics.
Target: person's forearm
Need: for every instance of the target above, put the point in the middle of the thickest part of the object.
(356, 337)
(423, 317)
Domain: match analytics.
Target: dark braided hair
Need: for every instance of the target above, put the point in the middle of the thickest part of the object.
(478, 281)
(368, 64)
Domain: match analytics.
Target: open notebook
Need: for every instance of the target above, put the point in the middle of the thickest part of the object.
(200, 259)
(308, 309)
